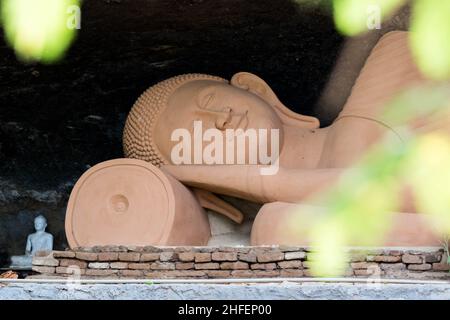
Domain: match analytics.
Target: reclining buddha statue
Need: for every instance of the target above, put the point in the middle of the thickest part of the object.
(311, 158)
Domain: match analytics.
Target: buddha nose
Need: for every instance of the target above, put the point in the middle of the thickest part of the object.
(224, 119)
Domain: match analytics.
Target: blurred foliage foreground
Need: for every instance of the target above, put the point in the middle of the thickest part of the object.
(359, 209)
(40, 30)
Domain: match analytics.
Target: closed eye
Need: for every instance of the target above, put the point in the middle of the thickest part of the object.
(206, 98)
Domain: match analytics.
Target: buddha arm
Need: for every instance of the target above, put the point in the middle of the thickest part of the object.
(28, 246)
(49, 245)
(246, 181)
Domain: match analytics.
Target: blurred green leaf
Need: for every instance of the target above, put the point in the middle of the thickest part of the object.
(38, 29)
(430, 28)
(328, 259)
(352, 16)
(427, 170)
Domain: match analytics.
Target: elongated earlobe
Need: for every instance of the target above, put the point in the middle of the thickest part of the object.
(256, 85)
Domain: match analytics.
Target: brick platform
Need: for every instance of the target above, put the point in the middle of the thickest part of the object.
(235, 262)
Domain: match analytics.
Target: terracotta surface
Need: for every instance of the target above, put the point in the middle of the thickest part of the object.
(311, 158)
(131, 202)
(289, 224)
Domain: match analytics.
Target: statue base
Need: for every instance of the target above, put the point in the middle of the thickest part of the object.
(21, 262)
(238, 263)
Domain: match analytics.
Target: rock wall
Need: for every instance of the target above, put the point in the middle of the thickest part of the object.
(56, 121)
(236, 262)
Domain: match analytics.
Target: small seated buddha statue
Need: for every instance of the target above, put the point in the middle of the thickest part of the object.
(36, 242)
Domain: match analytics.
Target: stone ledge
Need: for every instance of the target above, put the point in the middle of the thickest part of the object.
(260, 292)
(237, 262)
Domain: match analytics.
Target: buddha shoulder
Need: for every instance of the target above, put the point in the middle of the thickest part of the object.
(348, 138)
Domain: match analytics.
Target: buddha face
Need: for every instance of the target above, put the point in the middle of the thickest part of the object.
(40, 224)
(219, 106)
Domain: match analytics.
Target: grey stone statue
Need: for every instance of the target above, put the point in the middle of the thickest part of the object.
(38, 241)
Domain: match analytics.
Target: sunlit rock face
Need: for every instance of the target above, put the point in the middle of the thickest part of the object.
(57, 121)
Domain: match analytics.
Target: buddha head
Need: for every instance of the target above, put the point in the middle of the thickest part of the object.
(40, 223)
(182, 102)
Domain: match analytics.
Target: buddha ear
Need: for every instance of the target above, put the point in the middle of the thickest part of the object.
(256, 85)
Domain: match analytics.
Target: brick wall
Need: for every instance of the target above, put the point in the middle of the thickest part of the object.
(234, 262)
